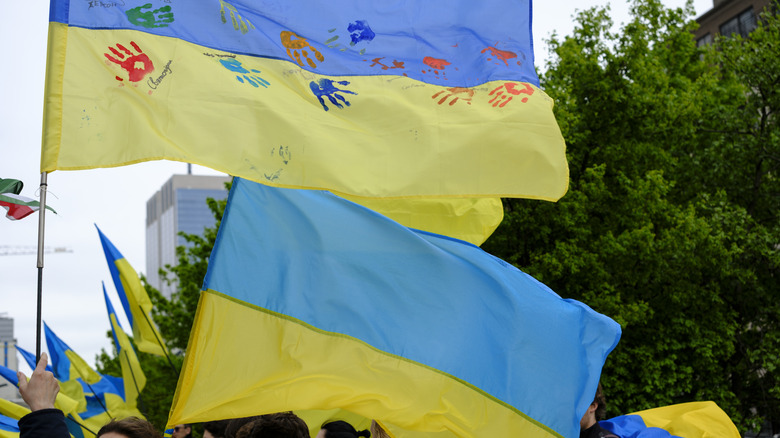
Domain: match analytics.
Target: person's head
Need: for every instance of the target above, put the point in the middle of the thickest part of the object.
(215, 429)
(596, 410)
(377, 431)
(341, 429)
(279, 425)
(237, 423)
(182, 431)
(130, 427)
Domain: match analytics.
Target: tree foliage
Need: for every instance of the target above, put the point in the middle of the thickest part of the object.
(670, 225)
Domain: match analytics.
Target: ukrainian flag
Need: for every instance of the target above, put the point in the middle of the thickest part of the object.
(106, 394)
(417, 98)
(688, 420)
(317, 303)
(9, 428)
(68, 406)
(68, 365)
(136, 302)
(134, 379)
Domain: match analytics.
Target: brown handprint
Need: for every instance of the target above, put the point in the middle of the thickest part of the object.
(299, 44)
(458, 92)
(501, 98)
(137, 66)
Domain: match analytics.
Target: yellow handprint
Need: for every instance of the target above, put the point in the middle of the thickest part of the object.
(239, 23)
(299, 44)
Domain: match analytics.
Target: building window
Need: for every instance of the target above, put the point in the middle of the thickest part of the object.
(742, 24)
(705, 40)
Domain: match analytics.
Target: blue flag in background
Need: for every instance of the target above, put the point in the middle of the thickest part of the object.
(319, 303)
(136, 302)
(8, 427)
(30, 359)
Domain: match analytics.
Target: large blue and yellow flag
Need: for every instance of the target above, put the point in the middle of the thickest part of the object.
(686, 420)
(320, 303)
(135, 300)
(416, 98)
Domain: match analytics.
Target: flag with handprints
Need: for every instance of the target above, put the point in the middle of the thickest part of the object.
(404, 99)
(133, 376)
(320, 303)
(135, 300)
(687, 420)
(17, 206)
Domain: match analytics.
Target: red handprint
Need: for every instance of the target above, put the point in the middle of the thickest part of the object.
(458, 92)
(299, 43)
(436, 63)
(502, 55)
(130, 62)
(505, 93)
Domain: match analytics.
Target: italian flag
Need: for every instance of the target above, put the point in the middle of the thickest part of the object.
(19, 207)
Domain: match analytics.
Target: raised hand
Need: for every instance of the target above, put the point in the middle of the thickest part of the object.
(42, 388)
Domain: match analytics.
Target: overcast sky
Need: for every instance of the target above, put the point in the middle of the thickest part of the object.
(114, 199)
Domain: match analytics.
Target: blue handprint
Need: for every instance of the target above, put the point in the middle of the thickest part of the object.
(326, 87)
(360, 31)
(234, 65)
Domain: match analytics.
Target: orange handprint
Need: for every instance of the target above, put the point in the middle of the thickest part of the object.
(137, 66)
(299, 44)
(459, 92)
(501, 98)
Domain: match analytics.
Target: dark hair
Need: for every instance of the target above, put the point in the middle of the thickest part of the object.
(235, 424)
(131, 427)
(216, 428)
(342, 429)
(279, 425)
(601, 408)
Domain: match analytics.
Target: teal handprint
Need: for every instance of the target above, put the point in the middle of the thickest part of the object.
(234, 65)
(144, 16)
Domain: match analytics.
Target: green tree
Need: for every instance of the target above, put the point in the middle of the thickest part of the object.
(670, 224)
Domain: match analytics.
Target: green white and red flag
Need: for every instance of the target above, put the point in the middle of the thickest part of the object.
(18, 206)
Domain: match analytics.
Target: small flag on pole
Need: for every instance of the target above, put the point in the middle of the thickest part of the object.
(135, 300)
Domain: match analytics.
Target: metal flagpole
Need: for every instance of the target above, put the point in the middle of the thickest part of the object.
(41, 226)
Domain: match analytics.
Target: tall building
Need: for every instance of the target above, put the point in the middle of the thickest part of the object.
(8, 357)
(180, 205)
(728, 17)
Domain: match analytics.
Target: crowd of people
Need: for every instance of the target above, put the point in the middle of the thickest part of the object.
(45, 421)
